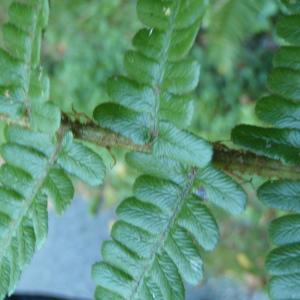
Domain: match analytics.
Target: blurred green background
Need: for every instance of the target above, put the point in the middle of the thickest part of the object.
(84, 45)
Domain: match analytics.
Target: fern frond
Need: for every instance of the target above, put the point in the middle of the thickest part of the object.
(159, 75)
(38, 162)
(163, 224)
(160, 215)
(281, 141)
(36, 166)
(156, 240)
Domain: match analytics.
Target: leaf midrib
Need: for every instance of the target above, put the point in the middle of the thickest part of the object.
(162, 68)
(191, 177)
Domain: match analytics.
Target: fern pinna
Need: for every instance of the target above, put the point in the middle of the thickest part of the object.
(157, 239)
(38, 154)
(281, 141)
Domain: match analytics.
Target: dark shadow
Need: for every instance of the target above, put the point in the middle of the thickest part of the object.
(29, 297)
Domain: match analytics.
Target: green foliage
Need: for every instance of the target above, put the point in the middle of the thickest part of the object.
(38, 162)
(221, 190)
(36, 167)
(19, 57)
(162, 230)
(105, 28)
(156, 67)
(280, 141)
(159, 232)
(231, 22)
(156, 240)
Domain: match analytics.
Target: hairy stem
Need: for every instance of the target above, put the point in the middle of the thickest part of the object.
(247, 162)
(230, 160)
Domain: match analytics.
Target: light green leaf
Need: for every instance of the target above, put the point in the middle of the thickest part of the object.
(45, 117)
(40, 142)
(284, 260)
(182, 146)
(130, 94)
(285, 287)
(155, 242)
(124, 121)
(80, 161)
(159, 167)
(181, 77)
(279, 112)
(281, 194)
(39, 214)
(287, 57)
(177, 109)
(222, 190)
(285, 230)
(285, 83)
(60, 189)
(196, 219)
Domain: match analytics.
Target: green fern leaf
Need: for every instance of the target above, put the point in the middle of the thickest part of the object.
(161, 167)
(80, 161)
(181, 146)
(276, 143)
(284, 260)
(158, 74)
(164, 217)
(160, 229)
(280, 113)
(272, 195)
(59, 188)
(160, 215)
(38, 161)
(281, 141)
(288, 29)
(33, 170)
(222, 190)
(20, 54)
(285, 230)
(285, 287)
